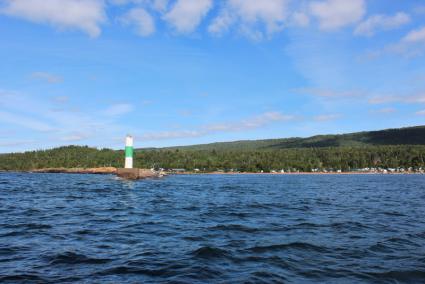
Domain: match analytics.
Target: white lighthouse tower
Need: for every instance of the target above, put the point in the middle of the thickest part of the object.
(129, 152)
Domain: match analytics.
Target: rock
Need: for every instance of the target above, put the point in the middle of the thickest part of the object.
(137, 173)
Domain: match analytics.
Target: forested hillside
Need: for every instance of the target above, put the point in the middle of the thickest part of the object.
(399, 136)
(386, 149)
(303, 159)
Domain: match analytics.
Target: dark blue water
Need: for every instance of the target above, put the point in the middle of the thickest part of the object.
(63, 228)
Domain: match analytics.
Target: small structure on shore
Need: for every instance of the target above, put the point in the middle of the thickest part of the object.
(129, 152)
(128, 172)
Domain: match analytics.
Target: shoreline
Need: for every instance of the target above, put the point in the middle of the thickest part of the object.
(96, 171)
(112, 170)
(299, 173)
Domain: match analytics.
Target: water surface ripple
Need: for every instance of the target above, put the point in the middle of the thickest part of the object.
(60, 228)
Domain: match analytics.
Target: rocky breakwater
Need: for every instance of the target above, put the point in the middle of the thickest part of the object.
(138, 174)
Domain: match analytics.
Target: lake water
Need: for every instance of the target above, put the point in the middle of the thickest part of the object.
(62, 228)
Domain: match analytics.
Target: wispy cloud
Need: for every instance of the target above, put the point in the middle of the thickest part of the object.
(421, 112)
(47, 77)
(327, 117)
(14, 143)
(415, 36)
(377, 23)
(55, 127)
(60, 99)
(118, 109)
(252, 123)
(300, 19)
(387, 110)
(84, 15)
(328, 93)
(411, 45)
(407, 99)
(158, 5)
(25, 121)
(74, 137)
(250, 15)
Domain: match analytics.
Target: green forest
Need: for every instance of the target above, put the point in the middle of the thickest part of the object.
(302, 159)
(393, 148)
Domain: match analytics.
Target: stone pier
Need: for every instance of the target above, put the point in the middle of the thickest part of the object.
(137, 173)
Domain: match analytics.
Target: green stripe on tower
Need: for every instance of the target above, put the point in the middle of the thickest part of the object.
(129, 152)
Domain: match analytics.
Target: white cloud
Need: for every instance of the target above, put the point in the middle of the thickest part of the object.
(74, 136)
(249, 14)
(143, 21)
(335, 14)
(326, 117)
(118, 109)
(243, 125)
(419, 9)
(415, 36)
(50, 128)
(381, 23)
(48, 77)
(84, 15)
(120, 2)
(252, 123)
(411, 45)
(160, 5)
(328, 93)
(300, 19)
(25, 121)
(166, 135)
(384, 110)
(186, 15)
(411, 99)
(421, 112)
(13, 143)
(221, 23)
(61, 99)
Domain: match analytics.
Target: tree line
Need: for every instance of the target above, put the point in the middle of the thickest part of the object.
(302, 159)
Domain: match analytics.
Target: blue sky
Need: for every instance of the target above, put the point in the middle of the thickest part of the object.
(179, 72)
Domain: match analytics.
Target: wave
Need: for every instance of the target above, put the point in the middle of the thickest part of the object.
(394, 213)
(235, 227)
(208, 252)
(133, 270)
(29, 226)
(407, 276)
(86, 232)
(75, 258)
(23, 278)
(392, 244)
(262, 276)
(12, 250)
(294, 245)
